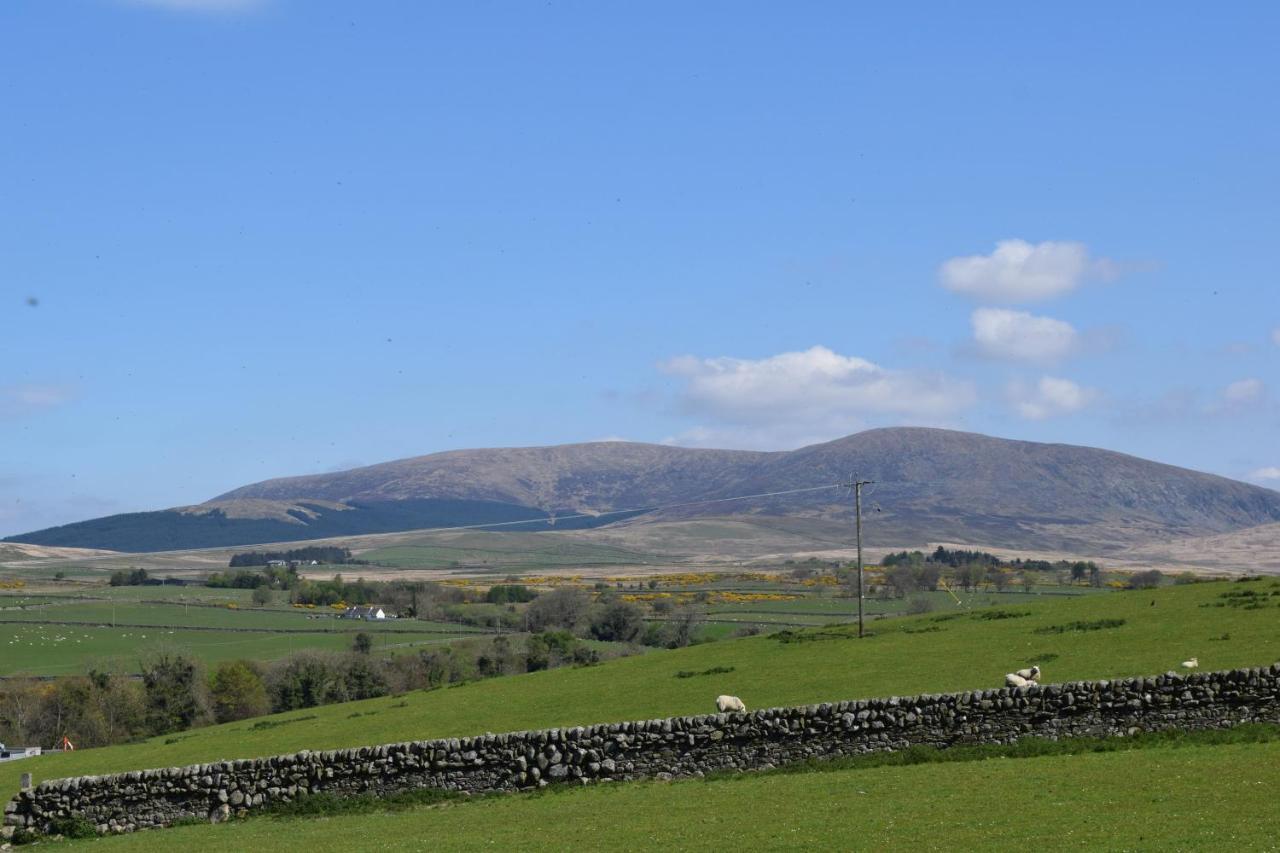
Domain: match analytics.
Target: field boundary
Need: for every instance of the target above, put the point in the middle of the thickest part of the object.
(660, 748)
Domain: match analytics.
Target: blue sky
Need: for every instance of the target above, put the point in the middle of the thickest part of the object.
(242, 239)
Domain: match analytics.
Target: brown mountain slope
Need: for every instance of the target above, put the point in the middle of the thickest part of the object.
(931, 485)
(591, 477)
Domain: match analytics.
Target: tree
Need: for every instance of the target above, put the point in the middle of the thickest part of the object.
(509, 593)
(970, 575)
(238, 691)
(304, 680)
(364, 679)
(1078, 571)
(363, 643)
(1000, 579)
(678, 631)
(927, 575)
(175, 691)
(262, 596)
(902, 577)
(1146, 580)
(565, 608)
(619, 621)
(20, 703)
(549, 649)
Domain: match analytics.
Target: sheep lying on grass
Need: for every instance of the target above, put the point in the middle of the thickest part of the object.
(1015, 680)
(725, 704)
(1191, 663)
(1030, 674)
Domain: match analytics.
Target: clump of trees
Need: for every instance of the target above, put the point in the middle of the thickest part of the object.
(1146, 580)
(317, 553)
(132, 577)
(908, 572)
(271, 577)
(509, 594)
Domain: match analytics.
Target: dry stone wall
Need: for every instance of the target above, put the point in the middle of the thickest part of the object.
(665, 748)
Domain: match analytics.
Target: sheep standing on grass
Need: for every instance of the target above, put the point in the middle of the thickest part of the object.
(1029, 674)
(725, 704)
(1015, 680)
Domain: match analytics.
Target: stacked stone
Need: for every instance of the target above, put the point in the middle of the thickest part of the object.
(663, 748)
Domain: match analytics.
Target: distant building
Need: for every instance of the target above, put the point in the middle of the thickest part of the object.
(370, 612)
(13, 753)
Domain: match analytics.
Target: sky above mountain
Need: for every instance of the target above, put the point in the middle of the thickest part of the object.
(242, 239)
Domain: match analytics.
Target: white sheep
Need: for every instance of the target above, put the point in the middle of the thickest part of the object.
(725, 704)
(1014, 680)
(1030, 674)
(1191, 663)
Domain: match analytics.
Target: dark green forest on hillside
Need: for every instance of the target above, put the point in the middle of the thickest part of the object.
(173, 530)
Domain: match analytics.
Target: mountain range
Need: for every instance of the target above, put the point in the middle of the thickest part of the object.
(928, 485)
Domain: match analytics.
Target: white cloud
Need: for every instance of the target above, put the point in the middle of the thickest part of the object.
(1018, 271)
(1243, 392)
(200, 5)
(1050, 397)
(1019, 336)
(794, 397)
(1271, 472)
(17, 400)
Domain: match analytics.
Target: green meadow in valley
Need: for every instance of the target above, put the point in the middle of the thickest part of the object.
(1097, 636)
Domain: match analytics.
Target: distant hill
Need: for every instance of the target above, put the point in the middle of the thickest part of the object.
(930, 484)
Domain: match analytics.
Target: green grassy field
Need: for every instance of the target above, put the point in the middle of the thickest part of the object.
(177, 615)
(933, 653)
(72, 650)
(1199, 797)
(66, 633)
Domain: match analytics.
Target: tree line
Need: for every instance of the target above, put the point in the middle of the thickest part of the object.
(319, 553)
(911, 571)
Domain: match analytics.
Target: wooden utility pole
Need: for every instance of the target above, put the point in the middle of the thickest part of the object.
(857, 509)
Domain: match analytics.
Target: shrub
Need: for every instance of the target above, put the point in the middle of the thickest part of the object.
(1098, 625)
(619, 621)
(919, 604)
(564, 607)
(1146, 580)
(72, 827)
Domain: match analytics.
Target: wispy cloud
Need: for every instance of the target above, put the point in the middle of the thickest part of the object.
(1271, 472)
(795, 397)
(1018, 271)
(1050, 397)
(1244, 392)
(20, 400)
